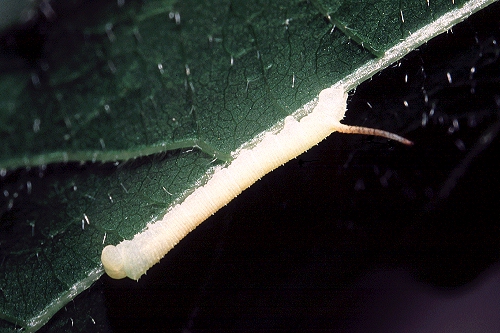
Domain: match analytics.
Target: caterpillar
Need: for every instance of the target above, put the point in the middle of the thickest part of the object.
(134, 257)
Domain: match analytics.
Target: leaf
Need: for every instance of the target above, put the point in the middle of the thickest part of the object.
(288, 254)
(190, 81)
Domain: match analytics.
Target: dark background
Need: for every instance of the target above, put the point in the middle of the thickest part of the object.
(359, 234)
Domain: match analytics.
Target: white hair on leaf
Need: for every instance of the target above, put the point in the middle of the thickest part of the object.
(134, 257)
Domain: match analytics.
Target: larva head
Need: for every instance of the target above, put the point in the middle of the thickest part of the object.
(113, 262)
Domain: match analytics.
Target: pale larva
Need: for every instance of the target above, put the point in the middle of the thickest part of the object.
(134, 257)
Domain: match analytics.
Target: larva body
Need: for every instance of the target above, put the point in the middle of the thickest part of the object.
(134, 257)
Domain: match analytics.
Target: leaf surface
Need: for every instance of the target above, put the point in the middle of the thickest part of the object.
(122, 111)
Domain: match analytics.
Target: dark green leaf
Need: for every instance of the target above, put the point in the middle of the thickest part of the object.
(191, 81)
